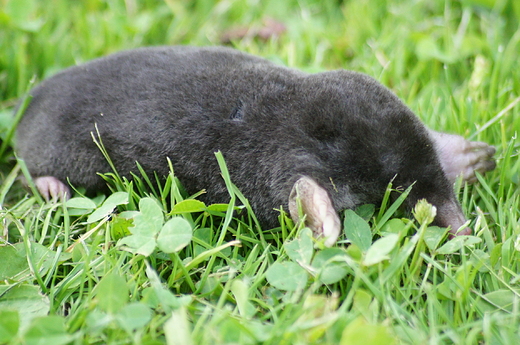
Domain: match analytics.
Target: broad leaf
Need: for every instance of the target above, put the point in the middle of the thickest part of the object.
(188, 206)
(357, 230)
(47, 330)
(149, 220)
(287, 276)
(380, 249)
(331, 265)
(119, 198)
(112, 292)
(133, 316)
(301, 249)
(175, 235)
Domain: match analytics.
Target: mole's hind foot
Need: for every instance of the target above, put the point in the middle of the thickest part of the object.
(51, 188)
(459, 156)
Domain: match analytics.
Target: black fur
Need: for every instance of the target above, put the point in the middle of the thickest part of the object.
(273, 125)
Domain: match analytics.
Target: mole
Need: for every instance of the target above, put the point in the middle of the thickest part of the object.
(319, 143)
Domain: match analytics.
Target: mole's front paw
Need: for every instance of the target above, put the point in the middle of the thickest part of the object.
(459, 156)
(51, 188)
(321, 217)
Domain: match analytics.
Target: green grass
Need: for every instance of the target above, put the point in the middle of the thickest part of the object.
(198, 275)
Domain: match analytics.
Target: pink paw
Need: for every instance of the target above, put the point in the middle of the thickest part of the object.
(459, 156)
(321, 217)
(51, 188)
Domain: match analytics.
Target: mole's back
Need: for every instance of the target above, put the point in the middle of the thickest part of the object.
(134, 98)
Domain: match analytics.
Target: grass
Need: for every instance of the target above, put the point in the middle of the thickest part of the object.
(77, 272)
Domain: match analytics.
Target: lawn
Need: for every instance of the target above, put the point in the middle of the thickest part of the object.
(149, 264)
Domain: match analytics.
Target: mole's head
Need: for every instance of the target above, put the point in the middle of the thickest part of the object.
(362, 137)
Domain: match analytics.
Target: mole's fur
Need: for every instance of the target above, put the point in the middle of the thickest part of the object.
(335, 139)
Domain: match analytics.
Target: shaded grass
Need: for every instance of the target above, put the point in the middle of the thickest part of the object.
(454, 63)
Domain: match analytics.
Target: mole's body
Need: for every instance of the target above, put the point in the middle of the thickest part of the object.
(337, 138)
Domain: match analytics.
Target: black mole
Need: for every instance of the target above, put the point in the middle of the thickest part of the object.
(336, 138)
